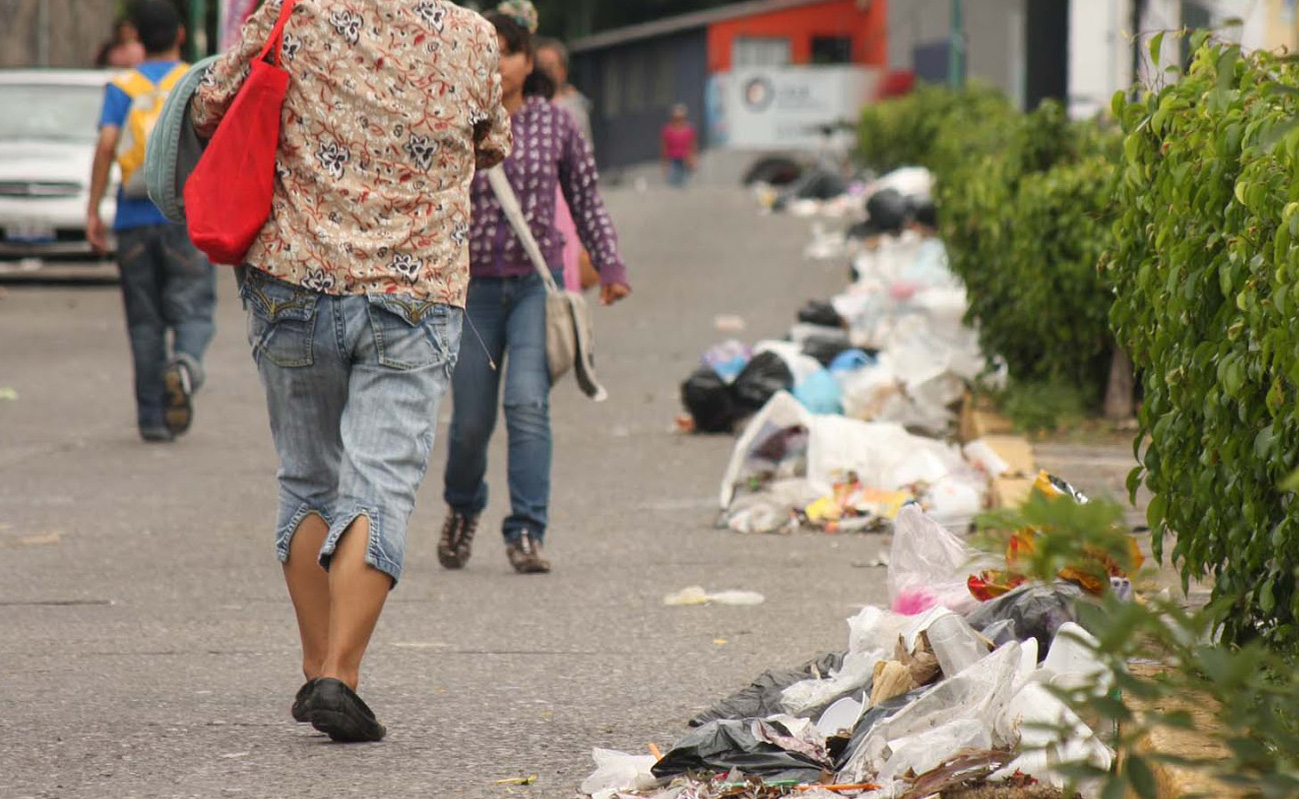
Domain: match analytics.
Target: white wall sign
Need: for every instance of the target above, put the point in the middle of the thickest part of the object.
(782, 107)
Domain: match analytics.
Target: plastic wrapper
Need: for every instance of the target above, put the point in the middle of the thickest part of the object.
(928, 566)
(761, 698)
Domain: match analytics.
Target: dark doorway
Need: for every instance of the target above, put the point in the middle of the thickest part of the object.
(1046, 35)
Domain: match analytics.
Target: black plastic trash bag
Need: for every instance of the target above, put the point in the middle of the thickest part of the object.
(729, 743)
(761, 698)
(1030, 611)
(826, 348)
(774, 170)
(709, 401)
(817, 312)
(813, 185)
(765, 376)
(887, 211)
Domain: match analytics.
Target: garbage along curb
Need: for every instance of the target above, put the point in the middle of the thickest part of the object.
(979, 420)
(1174, 781)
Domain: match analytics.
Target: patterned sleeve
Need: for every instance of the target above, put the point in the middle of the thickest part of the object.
(226, 76)
(580, 181)
(493, 137)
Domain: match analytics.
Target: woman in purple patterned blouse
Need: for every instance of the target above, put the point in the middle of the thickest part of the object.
(507, 307)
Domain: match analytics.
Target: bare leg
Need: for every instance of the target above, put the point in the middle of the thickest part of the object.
(309, 590)
(357, 592)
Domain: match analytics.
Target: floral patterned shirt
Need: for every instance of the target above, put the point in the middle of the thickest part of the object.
(549, 153)
(390, 106)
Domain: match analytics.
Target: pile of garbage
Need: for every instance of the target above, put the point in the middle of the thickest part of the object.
(852, 413)
(945, 692)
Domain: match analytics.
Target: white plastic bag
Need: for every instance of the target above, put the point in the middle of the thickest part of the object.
(618, 771)
(928, 566)
(858, 669)
(875, 628)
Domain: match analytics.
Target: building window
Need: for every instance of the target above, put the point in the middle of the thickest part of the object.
(831, 49)
(760, 51)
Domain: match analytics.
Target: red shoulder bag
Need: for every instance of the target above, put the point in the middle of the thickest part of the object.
(228, 196)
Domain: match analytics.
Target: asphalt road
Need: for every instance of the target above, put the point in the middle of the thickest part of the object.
(147, 647)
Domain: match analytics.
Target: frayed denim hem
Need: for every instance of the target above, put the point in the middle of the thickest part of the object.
(382, 554)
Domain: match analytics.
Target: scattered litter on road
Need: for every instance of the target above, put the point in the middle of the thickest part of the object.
(8, 394)
(39, 540)
(528, 780)
(696, 595)
(726, 323)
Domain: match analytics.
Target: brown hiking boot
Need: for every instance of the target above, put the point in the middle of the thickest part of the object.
(526, 556)
(457, 540)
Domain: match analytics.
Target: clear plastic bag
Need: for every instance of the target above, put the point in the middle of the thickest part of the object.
(928, 566)
(617, 771)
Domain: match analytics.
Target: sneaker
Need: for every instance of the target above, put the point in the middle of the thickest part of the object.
(178, 408)
(526, 556)
(457, 540)
(158, 434)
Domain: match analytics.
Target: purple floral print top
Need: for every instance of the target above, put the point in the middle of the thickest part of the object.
(549, 151)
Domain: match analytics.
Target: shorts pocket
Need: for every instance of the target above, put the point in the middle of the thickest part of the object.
(408, 332)
(281, 320)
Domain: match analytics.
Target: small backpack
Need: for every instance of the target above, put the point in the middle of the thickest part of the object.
(147, 98)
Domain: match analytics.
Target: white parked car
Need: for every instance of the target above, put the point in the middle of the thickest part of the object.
(48, 130)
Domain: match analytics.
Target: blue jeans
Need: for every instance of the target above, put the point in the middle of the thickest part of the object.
(167, 286)
(510, 317)
(678, 173)
(353, 385)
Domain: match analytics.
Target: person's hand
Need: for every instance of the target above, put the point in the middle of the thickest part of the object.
(96, 233)
(613, 292)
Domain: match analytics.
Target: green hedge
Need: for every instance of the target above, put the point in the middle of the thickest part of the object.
(1207, 279)
(1025, 204)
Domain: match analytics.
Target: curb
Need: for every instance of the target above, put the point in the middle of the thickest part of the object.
(1171, 780)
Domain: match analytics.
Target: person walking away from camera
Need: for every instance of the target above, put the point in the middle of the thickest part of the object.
(680, 147)
(124, 50)
(507, 306)
(355, 289)
(552, 58)
(168, 286)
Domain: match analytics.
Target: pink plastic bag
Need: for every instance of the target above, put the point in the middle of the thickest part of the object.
(928, 566)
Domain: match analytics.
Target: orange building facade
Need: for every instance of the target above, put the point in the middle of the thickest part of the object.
(815, 32)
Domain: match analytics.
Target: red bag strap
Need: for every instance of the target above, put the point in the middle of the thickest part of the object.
(277, 33)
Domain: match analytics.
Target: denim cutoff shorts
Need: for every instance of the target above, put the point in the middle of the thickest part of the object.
(353, 384)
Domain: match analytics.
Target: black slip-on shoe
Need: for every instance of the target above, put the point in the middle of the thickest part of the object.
(337, 711)
(301, 709)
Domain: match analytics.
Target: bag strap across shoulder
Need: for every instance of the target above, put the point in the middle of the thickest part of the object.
(514, 212)
(272, 47)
